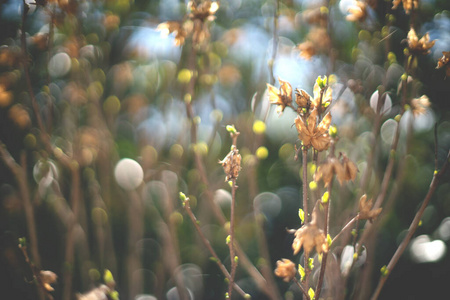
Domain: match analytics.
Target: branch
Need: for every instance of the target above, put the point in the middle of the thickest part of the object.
(412, 228)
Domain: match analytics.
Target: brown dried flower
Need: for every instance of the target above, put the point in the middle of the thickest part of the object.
(204, 11)
(365, 209)
(444, 62)
(312, 134)
(307, 50)
(309, 236)
(349, 168)
(358, 12)
(408, 5)
(47, 278)
(326, 171)
(419, 105)
(281, 97)
(176, 27)
(231, 164)
(285, 269)
(304, 100)
(419, 47)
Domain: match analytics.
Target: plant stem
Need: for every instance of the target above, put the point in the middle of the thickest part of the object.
(231, 244)
(274, 42)
(412, 228)
(207, 244)
(300, 285)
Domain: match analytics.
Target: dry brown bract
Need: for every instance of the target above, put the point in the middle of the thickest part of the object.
(444, 62)
(365, 209)
(350, 169)
(204, 11)
(307, 50)
(309, 236)
(304, 100)
(285, 269)
(358, 12)
(419, 47)
(420, 105)
(281, 97)
(176, 27)
(408, 5)
(326, 171)
(231, 164)
(312, 134)
(344, 171)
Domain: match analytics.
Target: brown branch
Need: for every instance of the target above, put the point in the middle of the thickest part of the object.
(24, 191)
(207, 244)
(412, 228)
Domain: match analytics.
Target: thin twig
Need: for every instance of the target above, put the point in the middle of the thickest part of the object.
(300, 285)
(207, 244)
(412, 228)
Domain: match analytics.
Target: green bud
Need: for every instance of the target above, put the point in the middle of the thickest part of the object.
(301, 272)
(182, 196)
(313, 185)
(322, 83)
(247, 296)
(333, 131)
(310, 263)
(301, 215)
(228, 239)
(108, 278)
(311, 293)
(329, 240)
(22, 242)
(212, 258)
(384, 270)
(114, 295)
(231, 129)
(325, 197)
(236, 259)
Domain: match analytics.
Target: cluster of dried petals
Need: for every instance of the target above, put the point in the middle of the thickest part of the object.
(322, 97)
(281, 97)
(344, 170)
(419, 47)
(357, 12)
(317, 41)
(195, 26)
(365, 209)
(313, 134)
(285, 269)
(444, 61)
(408, 5)
(47, 278)
(204, 11)
(307, 50)
(309, 236)
(176, 27)
(231, 164)
(420, 105)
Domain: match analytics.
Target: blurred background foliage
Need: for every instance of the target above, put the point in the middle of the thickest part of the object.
(110, 86)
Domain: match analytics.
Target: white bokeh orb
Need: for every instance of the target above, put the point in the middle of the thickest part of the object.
(128, 174)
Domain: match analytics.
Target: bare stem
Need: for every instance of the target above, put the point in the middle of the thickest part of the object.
(412, 228)
(348, 225)
(208, 246)
(70, 239)
(275, 42)
(231, 244)
(302, 288)
(260, 280)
